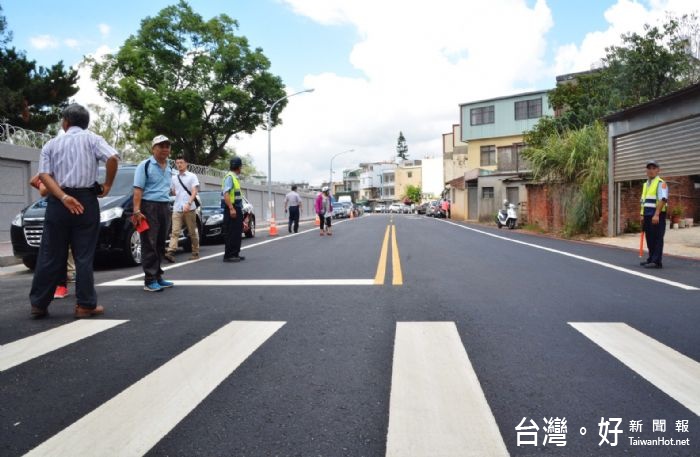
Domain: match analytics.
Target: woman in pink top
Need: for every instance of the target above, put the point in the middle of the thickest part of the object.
(324, 209)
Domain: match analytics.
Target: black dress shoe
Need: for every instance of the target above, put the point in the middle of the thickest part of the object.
(38, 313)
(644, 264)
(240, 258)
(653, 265)
(231, 259)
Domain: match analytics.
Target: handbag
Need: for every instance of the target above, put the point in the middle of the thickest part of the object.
(197, 204)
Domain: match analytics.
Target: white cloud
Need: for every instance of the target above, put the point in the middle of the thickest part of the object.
(71, 42)
(44, 42)
(622, 17)
(104, 29)
(88, 93)
(418, 61)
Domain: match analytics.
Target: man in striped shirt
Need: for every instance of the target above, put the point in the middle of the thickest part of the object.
(68, 167)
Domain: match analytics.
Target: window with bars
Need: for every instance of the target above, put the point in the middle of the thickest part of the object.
(487, 192)
(528, 109)
(488, 155)
(483, 115)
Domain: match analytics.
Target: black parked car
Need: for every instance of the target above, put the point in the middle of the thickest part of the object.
(117, 234)
(213, 217)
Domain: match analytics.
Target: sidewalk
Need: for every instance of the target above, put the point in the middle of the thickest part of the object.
(681, 242)
(6, 257)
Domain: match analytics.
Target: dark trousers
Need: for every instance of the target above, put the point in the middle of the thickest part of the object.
(294, 218)
(61, 229)
(325, 221)
(655, 238)
(233, 230)
(153, 240)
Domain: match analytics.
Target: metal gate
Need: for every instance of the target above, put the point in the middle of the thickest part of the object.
(676, 146)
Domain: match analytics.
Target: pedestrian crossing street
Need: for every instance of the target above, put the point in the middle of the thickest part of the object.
(437, 406)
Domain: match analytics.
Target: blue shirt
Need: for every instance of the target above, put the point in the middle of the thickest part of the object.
(72, 159)
(157, 187)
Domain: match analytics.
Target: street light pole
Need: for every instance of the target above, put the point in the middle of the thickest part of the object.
(330, 180)
(270, 202)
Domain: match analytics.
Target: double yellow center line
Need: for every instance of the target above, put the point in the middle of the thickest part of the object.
(397, 278)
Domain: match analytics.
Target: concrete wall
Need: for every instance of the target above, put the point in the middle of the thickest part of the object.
(17, 165)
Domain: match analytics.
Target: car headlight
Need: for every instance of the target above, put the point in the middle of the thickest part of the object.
(111, 214)
(214, 219)
(17, 221)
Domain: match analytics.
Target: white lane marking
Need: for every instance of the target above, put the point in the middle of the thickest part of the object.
(437, 406)
(135, 420)
(674, 373)
(218, 254)
(585, 259)
(253, 282)
(20, 351)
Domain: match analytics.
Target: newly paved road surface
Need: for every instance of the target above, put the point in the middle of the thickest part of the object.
(399, 335)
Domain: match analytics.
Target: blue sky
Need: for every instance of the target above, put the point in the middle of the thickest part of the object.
(268, 24)
(377, 66)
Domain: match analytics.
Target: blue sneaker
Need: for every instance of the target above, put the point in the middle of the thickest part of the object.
(165, 284)
(152, 286)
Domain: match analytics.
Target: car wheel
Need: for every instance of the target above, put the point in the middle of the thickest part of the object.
(132, 249)
(29, 262)
(250, 233)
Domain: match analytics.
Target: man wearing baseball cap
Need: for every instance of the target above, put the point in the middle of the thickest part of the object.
(653, 214)
(152, 180)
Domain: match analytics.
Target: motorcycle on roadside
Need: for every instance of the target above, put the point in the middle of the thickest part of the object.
(508, 216)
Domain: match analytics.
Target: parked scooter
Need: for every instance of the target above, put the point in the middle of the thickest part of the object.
(507, 216)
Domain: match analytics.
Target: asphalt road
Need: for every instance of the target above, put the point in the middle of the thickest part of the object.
(399, 335)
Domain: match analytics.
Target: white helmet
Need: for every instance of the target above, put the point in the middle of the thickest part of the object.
(324, 189)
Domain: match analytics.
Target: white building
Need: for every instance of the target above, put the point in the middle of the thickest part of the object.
(433, 179)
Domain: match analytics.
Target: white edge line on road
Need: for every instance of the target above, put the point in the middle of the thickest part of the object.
(579, 257)
(670, 371)
(20, 351)
(253, 282)
(437, 406)
(135, 420)
(211, 256)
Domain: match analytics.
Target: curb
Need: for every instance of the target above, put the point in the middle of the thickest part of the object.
(9, 260)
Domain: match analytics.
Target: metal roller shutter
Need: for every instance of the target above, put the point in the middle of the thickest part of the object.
(675, 146)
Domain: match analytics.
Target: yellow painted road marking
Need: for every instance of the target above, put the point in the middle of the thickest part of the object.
(395, 260)
(381, 266)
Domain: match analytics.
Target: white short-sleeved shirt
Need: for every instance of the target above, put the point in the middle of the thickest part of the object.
(72, 158)
(292, 199)
(190, 181)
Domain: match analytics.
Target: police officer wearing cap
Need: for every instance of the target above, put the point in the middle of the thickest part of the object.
(232, 204)
(653, 214)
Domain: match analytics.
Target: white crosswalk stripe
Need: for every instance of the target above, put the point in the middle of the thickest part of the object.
(135, 420)
(667, 369)
(18, 352)
(437, 406)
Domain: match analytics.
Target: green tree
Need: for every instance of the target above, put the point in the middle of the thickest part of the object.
(644, 67)
(117, 131)
(31, 96)
(414, 193)
(401, 147)
(578, 161)
(193, 80)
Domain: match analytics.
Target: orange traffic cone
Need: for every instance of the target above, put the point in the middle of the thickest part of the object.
(273, 227)
(317, 222)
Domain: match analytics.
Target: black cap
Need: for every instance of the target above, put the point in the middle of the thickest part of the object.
(652, 163)
(236, 162)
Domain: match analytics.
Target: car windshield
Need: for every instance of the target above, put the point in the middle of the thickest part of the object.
(210, 198)
(123, 182)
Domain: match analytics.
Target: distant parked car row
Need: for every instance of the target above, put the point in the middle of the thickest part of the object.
(396, 208)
